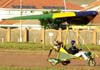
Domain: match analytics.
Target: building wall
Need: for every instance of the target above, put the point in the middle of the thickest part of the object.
(50, 35)
(3, 33)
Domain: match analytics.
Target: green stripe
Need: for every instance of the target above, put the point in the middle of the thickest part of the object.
(43, 16)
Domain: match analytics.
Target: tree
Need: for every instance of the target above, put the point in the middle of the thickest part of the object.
(51, 23)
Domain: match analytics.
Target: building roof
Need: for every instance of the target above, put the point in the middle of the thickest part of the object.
(9, 22)
(96, 20)
(38, 4)
(25, 22)
(92, 5)
(80, 2)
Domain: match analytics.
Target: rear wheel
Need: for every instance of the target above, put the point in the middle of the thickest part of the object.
(92, 62)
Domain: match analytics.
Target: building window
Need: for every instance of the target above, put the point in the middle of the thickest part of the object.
(24, 7)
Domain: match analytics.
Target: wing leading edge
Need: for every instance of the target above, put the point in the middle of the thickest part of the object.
(56, 15)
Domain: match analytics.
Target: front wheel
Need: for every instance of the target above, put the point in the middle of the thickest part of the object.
(91, 62)
(65, 62)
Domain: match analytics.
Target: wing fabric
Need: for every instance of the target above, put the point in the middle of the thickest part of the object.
(56, 15)
(47, 16)
(64, 55)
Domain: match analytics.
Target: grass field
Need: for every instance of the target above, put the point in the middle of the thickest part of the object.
(24, 46)
(52, 68)
(39, 46)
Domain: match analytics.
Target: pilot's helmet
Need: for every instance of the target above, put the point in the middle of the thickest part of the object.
(72, 42)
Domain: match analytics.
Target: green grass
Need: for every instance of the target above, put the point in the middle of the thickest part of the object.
(24, 46)
(87, 47)
(39, 46)
(52, 68)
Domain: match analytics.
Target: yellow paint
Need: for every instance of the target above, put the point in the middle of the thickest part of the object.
(64, 14)
(63, 50)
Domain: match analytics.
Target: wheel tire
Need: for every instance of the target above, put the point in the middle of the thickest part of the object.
(53, 61)
(92, 62)
(65, 62)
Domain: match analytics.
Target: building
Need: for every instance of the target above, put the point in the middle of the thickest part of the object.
(11, 8)
(94, 6)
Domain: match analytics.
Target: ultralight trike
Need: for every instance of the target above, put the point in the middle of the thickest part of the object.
(64, 58)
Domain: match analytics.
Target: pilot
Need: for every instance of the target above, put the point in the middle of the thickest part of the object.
(77, 52)
(73, 49)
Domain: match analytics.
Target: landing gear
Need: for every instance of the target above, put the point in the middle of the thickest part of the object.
(65, 62)
(55, 61)
(91, 62)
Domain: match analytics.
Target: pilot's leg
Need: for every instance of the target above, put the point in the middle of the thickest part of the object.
(81, 54)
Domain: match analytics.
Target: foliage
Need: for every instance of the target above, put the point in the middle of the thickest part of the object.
(52, 23)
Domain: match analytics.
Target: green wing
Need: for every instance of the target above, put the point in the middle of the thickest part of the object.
(45, 16)
(56, 15)
(76, 18)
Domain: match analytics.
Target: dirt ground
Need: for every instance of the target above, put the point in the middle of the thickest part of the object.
(33, 58)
